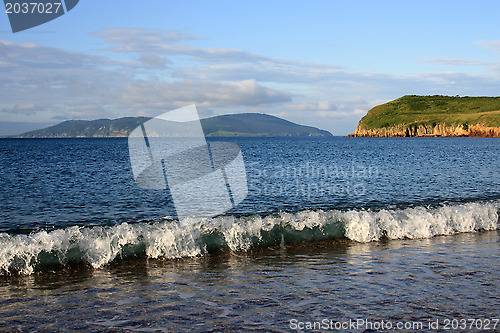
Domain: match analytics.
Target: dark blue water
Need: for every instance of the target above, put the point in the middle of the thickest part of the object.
(54, 183)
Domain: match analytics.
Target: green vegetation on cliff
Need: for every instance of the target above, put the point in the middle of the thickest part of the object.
(413, 111)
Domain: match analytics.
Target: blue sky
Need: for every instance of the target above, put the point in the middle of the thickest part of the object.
(320, 63)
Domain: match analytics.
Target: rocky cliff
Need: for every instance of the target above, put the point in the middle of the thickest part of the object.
(438, 130)
(433, 116)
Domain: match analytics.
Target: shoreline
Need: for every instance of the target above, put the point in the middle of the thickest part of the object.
(428, 130)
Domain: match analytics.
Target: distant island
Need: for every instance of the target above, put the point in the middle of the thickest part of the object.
(233, 125)
(433, 116)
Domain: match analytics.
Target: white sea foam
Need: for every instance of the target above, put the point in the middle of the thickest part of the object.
(98, 246)
(420, 222)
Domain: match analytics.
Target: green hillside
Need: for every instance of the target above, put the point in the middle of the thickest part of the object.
(88, 128)
(256, 124)
(243, 125)
(411, 111)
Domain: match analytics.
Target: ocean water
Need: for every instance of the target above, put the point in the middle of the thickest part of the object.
(360, 232)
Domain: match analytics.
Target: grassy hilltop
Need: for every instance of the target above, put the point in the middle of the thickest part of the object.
(433, 116)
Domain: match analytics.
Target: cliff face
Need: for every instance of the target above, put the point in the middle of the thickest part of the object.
(415, 116)
(439, 130)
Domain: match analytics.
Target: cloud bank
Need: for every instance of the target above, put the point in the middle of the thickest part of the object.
(147, 72)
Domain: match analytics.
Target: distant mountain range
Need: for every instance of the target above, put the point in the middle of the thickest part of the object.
(233, 125)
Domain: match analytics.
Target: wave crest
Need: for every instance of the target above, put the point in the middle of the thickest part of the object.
(98, 246)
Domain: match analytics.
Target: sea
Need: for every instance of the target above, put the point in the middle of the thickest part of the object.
(335, 235)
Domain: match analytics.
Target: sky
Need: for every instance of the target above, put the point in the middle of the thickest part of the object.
(318, 63)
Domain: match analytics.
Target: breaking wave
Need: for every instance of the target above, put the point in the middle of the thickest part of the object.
(99, 245)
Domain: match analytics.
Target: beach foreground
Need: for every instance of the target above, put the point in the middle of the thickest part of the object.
(442, 280)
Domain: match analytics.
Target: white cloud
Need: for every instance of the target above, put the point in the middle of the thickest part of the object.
(152, 60)
(340, 114)
(23, 108)
(83, 112)
(163, 95)
(166, 43)
(455, 62)
(314, 106)
(490, 44)
(136, 40)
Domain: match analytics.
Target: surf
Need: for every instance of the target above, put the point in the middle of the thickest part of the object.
(165, 239)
